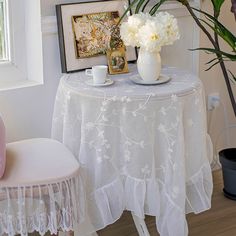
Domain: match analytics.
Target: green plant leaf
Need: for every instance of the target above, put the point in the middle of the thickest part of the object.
(223, 33)
(213, 65)
(128, 9)
(144, 6)
(156, 7)
(217, 62)
(220, 29)
(232, 57)
(217, 4)
(209, 62)
(233, 79)
(140, 3)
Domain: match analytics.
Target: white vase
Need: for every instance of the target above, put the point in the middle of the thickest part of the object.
(149, 65)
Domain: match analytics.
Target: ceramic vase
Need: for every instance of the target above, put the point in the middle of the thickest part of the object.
(149, 65)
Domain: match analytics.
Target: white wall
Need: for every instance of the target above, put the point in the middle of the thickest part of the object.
(27, 111)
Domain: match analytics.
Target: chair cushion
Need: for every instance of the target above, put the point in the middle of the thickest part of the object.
(38, 161)
(2, 148)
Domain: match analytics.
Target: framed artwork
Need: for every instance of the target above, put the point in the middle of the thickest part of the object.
(117, 62)
(86, 31)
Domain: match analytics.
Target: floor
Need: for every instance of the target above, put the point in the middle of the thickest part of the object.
(220, 220)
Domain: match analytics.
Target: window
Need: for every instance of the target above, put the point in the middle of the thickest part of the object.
(21, 59)
(4, 55)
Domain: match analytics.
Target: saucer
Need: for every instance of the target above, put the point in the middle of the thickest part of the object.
(108, 82)
(138, 80)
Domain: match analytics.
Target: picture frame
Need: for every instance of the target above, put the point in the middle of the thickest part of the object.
(79, 49)
(117, 62)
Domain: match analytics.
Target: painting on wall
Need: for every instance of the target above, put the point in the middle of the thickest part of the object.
(87, 30)
(92, 33)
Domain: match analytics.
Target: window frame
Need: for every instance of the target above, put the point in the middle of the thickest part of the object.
(25, 64)
(6, 56)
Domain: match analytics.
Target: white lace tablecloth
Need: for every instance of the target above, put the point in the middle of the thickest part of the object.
(141, 148)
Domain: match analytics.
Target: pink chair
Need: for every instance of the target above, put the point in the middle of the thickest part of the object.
(40, 189)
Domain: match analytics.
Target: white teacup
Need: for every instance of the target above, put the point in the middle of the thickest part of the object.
(99, 74)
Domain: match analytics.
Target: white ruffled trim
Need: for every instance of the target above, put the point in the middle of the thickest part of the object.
(51, 207)
(106, 204)
(199, 190)
(147, 197)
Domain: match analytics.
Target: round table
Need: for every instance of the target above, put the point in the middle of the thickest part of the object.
(141, 148)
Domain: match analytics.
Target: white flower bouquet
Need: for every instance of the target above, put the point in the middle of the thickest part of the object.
(150, 32)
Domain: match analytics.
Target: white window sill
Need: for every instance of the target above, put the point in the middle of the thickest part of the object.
(16, 84)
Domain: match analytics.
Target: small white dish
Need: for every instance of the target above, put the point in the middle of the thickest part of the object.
(138, 80)
(108, 82)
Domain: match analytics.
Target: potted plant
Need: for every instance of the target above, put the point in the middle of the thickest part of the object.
(210, 22)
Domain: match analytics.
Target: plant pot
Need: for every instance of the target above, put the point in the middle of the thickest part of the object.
(228, 162)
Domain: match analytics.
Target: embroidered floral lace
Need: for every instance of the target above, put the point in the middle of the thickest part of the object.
(41, 208)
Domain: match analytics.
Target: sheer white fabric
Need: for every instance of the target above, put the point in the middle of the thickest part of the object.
(41, 208)
(141, 148)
